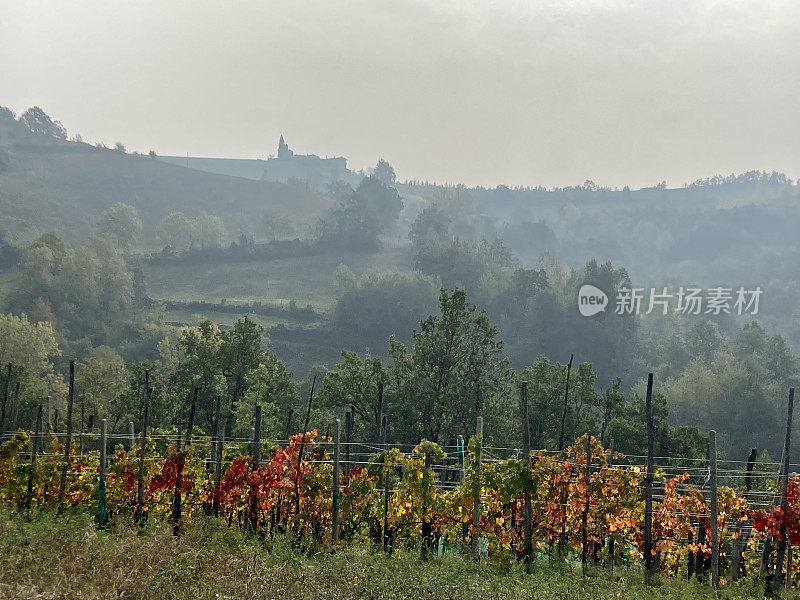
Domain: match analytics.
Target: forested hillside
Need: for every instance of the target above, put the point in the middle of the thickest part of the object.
(55, 184)
(123, 263)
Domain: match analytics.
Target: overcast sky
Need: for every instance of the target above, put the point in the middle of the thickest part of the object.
(523, 93)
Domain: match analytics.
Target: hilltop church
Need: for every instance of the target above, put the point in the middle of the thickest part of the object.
(307, 168)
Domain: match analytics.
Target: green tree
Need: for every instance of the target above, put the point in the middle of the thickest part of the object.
(30, 348)
(86, 285)
(551, 325)
(239, 352)
(360, 216)
(629, 430)
(176, 231)
(384, 172)
(272, 387)
(377, 305)
(740, 397)
(546, 386)
(194, 360)
(38, 122)
(129, 405)
(529, 238)
(703, 340)
(609, 405)
(431, 225)
(103, 377)
(770, 352)
(122, 222)
(353, 386)
(458, 203)
(524, 286)
(381, 200)
(28, 345)
(454, 262)
(217, 363)
(208, 231)
(454, 372)
(274, 226)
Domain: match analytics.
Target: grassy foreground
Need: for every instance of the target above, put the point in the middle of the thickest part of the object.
(51, 557)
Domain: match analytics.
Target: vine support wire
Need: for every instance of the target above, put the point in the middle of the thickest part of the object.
(718, 473)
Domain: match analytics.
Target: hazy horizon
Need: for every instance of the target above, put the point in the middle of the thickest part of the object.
(622, 93)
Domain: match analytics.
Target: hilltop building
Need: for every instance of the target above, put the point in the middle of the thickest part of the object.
(307, 168)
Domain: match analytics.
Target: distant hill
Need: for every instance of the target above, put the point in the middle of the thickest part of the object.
(252, 168)
(63, 186)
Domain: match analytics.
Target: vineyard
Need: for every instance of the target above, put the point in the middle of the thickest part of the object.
(587, 503)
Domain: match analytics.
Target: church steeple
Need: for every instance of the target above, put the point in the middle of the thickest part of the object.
(283, 149)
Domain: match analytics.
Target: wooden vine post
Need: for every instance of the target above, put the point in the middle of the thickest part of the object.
(336, 496)
(610, 557)
(779, 577)
(5, 401)
(379, 413)
(82, 445)
(300, 455)
(14, 410)
(476, 505)
(427, 525)
(139, 515)
(348, 438)
(585, 514)
(218, 442)
(743, 528)
(256, 442)
(462, 451)
(192, 412)
(526, 450)
(101, 475)
(387, 489)
(648, 482)
(70, 399)
(256, 464)
(566, 403)
(712, 479)
(287, 432)
(36, 443)
(181, 458)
